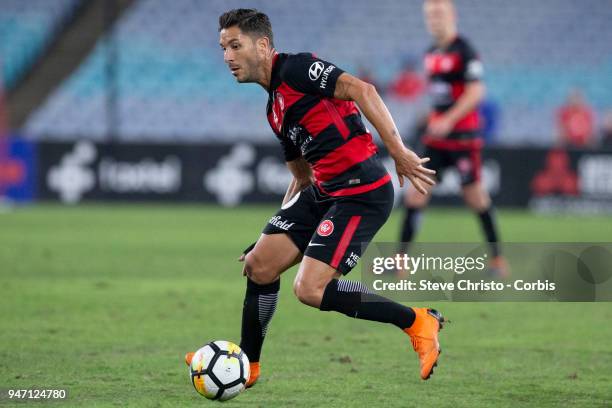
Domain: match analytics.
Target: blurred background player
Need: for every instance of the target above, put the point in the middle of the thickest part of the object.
(408, 84)
(576, 122)
(452, 137)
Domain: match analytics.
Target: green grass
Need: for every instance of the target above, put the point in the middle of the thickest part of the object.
(105, 300)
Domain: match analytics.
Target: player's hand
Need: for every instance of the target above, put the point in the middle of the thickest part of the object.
(408, 164)
(244, 254)
(440, 127)
(241, 259)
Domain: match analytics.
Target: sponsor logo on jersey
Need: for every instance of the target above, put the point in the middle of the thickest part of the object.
(278, 222)
(446, 64)
(315, 70)
(278, 110)
(305, 144)
(352, 260)
(293, 134)
(326, 73)
(325, 228)
(281, 100)
(440, 92)
(475, 70)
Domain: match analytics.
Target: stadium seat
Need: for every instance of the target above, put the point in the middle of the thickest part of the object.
(172, 83)
(26, 28)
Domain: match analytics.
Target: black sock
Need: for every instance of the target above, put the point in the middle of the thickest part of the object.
(259, 306)
(346, 297)
(489, 227)
(410, 227)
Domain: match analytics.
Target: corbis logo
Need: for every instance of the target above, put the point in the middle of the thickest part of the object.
(315, 70)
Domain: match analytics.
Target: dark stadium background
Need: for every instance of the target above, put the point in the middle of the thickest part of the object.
(140, 89)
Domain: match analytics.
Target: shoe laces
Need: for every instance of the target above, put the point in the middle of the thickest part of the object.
(415, 342)
(418, 341)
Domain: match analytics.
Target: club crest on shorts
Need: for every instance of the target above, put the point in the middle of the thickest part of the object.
(325, 228)
(464, 165)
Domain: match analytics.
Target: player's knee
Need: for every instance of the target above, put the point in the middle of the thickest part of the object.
(476, 198)
(414, 199)
(308, 293)
(258, 270)
(478, 205)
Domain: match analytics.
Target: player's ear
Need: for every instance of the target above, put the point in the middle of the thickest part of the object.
(262, 44)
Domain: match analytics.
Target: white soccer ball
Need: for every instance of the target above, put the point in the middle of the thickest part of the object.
(219, 370)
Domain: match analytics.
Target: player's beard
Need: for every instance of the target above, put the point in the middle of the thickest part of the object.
(249, 70)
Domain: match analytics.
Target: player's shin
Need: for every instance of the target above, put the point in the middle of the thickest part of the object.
(257, 311)
(412, 221)
(355, 300)
(489, 228)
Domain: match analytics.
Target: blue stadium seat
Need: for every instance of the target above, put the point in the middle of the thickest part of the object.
(173, 85)
(26, 28)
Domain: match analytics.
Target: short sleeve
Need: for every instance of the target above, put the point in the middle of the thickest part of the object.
(290, 150)
(308, 74)
(473, 69)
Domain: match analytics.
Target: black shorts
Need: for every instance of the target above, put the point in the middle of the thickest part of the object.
(333, 229)
(467, 162)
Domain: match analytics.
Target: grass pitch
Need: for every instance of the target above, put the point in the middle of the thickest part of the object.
(105, 300)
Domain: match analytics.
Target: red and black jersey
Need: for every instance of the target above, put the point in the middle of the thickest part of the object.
(449, 70)
(327, 132)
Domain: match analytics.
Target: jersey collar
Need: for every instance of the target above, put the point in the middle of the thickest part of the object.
(275, 76)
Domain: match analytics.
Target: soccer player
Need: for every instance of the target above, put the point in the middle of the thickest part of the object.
(452, 137)
(340, 195)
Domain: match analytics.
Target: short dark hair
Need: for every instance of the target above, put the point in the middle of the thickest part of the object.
(250, 21)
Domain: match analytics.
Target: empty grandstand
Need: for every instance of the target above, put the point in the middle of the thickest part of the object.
(26, 29)
(170, 84)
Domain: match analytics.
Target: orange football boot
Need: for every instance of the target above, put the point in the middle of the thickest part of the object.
(424, 337)
(499, 268)
(254, 374)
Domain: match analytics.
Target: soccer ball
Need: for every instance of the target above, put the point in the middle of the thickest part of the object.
(219, 370)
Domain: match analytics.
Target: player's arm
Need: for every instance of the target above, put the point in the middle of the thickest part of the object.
(302, 177)
(407, 163)
(472, 96)
(469, 100)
